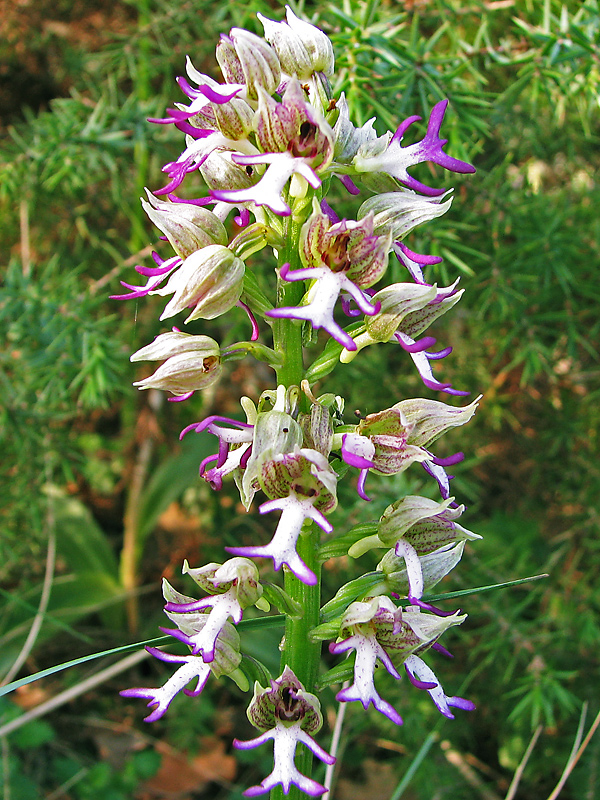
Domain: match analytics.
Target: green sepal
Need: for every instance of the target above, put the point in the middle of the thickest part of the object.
(338, 674)
(255, 670)
(334, 548)
(370, 584)
(330, 356)
(261, 352)
(327, 630)
(240, 679)
(253, 295)
(282, 601)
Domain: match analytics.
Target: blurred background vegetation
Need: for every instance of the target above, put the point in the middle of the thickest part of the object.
(99, 499)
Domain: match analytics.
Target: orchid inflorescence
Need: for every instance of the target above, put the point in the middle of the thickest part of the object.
(267, 142)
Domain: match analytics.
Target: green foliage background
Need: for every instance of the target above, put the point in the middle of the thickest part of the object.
(89, 463)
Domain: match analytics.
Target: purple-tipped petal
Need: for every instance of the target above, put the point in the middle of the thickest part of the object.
(360, 486)
(419, 684)
(180, 398)
(449, 461)
(349, 184)
(460, 702)
(439, 648)
(358, 451)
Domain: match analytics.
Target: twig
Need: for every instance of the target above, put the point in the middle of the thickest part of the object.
(574, 759)
(335, 743)
(5, 768)
(512, 789)
(457, 760)
(74, 691)
(115, 271)
(25, 238)
(45, 595)
(40, 614)
(64, 788)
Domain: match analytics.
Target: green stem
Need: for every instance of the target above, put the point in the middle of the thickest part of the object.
(299, 653)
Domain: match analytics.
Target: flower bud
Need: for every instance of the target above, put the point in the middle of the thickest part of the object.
(396, 301)
(192, 363)
(427, 525)
(318, 429)
(187, 227)
(415, 322)
(234, 119)
(211, 280)
(229, 61)
(221, 172)
(302, 48)
(246, 58)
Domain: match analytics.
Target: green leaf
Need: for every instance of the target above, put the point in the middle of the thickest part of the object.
(282, 601)
(11, 687)
(480, 589)
(79, 538)
(255, 670)
(33, 734)
(327, 630)
(171, 479)
(370, 583)
(338, 674)
(335, 548)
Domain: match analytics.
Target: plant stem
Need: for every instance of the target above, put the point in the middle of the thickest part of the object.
(299, 653)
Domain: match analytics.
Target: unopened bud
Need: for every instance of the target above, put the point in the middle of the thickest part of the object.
(211, 280)
(221, 172)
(234, 119)
(187, 227)
(429, 419)
(396, 301)
(192, 363)
(302, 48)
(246, 58)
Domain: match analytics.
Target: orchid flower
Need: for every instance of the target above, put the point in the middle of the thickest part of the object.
(287, 714)
(237, 586)
(306, 485)
(387, 155)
